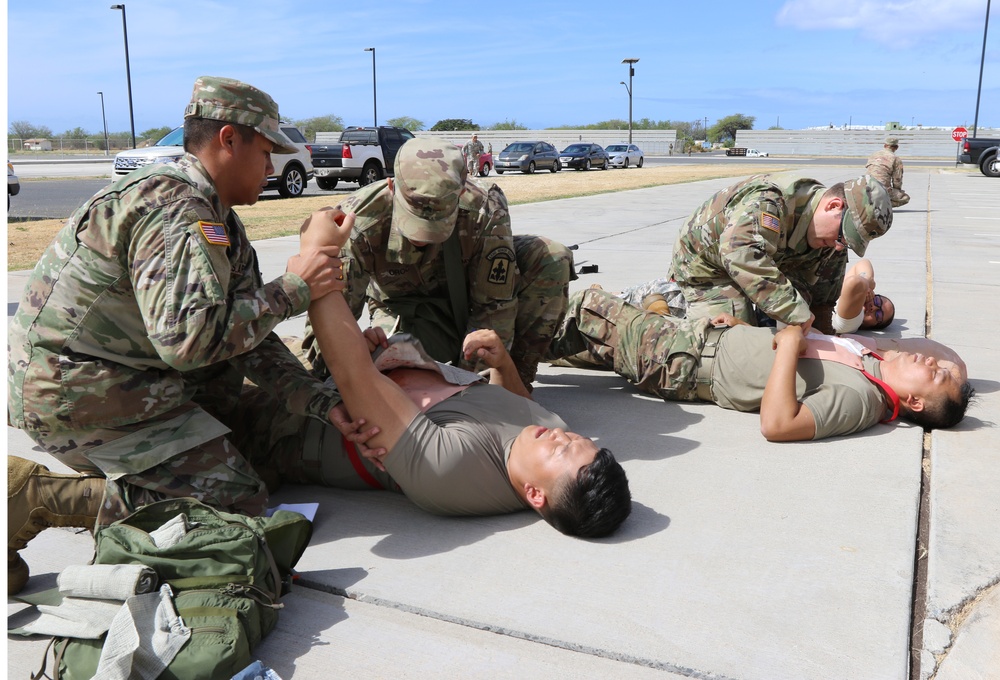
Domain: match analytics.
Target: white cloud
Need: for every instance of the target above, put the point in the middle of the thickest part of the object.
(900, 23)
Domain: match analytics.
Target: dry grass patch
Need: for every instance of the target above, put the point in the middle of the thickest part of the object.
(282, 217)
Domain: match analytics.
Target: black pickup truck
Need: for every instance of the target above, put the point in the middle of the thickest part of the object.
(983, 152)
(362, 154)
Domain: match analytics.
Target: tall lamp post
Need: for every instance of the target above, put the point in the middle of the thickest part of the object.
(979, 91)
(105, 121)
(128, 72)
(374, 90)
(631, 72)
(629, 90)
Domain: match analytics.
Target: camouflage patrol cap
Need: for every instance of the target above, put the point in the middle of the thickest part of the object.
(231, 101)
(430, 176)
(892, 141)
(868, 213)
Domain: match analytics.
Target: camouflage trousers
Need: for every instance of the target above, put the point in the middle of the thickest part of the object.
(170, 456)
(707, 299)
(658, 354)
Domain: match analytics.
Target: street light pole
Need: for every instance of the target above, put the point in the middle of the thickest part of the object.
(629, 90)
(374, 90)
(128, 72)
(631, 72)
(105, 121)
(979, 91)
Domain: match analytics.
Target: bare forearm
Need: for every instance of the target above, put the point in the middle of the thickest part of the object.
(782, 416)
(367, 393)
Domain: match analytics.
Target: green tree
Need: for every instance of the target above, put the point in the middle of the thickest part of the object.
(22, 129)
(411, 124)
(453, 124)
(507, 125)
(725, 128)
(776, 127)
(153, 135)
(310, 126)
(75, 133)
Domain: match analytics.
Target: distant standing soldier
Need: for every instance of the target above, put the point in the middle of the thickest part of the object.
(433, 255)
(776, 242)
(885, 166)
(473, 149)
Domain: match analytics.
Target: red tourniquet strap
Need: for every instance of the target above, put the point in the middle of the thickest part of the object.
(352, 455)
(888, 390)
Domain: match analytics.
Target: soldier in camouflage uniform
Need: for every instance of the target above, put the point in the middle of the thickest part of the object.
(397, 261)
(139, 323)
(885, 166)
(473, 149)
(707, 360)
(776, 242)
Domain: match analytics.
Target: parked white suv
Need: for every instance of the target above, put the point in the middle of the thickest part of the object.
(292, 172)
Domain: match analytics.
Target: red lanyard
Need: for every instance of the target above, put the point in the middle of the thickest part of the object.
(893, 397)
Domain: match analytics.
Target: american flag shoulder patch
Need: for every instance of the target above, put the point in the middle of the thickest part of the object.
(215, 233)
(769, 221)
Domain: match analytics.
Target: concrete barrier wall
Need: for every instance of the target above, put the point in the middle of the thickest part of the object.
(913, 143)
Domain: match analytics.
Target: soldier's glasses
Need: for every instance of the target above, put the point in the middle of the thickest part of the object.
(877, 304)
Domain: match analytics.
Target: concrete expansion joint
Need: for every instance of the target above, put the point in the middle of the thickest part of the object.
(510, 632)
(940, 633)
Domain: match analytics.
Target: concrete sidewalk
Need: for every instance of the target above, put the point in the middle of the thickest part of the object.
(742, 559)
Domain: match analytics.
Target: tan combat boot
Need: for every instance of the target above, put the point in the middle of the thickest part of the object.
(37, 499)
(656, 303)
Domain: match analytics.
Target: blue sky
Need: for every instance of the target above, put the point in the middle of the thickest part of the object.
(797, 63)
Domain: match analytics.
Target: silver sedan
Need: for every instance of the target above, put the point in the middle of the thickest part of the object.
(624, 155)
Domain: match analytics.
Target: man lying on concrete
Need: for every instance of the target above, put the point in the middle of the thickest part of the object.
(805, 387)
(452, 449)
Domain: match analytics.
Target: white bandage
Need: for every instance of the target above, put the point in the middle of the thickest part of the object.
(842, 325)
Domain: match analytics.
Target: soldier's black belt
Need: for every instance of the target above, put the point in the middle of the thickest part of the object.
(712, 338)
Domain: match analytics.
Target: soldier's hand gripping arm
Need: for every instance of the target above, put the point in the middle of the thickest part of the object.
(367, 393)
(782, 417)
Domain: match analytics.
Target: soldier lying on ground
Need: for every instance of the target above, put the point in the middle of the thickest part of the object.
(805, 387)
(478, 449)
(433, 255)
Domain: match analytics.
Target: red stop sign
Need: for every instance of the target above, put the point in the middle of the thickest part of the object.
(959, 133)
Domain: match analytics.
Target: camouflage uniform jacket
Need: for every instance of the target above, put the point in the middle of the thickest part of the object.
(151, 297)
(381, 264)
(754, 234)
(886, 167)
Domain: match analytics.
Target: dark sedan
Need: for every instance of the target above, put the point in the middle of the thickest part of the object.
(528, 157)
(584, 157)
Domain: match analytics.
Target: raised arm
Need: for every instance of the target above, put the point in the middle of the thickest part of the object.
(366, 392)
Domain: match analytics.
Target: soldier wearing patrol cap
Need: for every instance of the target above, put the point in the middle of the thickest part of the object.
(139, 323)
(777, 243)
(433, 255)
(885, 166)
